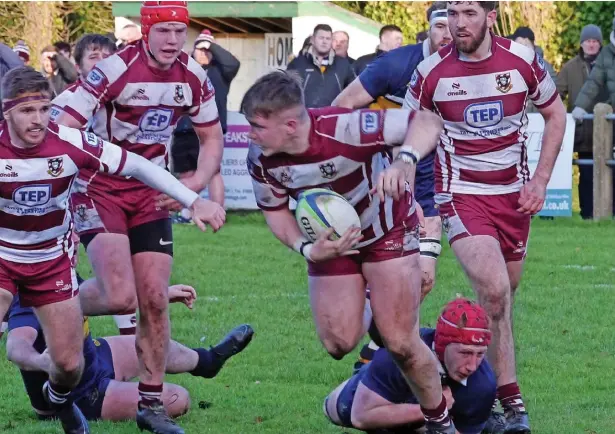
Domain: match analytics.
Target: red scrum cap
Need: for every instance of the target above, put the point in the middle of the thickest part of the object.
(154, 12)
(462, 321)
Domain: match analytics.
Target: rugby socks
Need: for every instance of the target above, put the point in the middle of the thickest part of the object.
(510, 397)
(126, 323)
(438, 415)
(150, 394)
(209, 363)
(56, 394)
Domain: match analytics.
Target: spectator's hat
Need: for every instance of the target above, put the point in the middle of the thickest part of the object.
(591, 31)
(22, 50)
(154, 12)
(204, 40)
(462, 321)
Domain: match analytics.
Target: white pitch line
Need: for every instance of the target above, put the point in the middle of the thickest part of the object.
(214, 298)
(580, 267)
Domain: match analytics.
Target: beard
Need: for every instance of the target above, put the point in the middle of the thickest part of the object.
(469, 47)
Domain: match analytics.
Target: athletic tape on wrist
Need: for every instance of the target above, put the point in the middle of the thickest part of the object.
(411, 150)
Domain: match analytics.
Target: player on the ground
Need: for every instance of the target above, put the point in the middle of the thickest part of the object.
(348, 151)
(377, 399)
(105, 390)
(136, 97)
(89, 50)
(385, 81)
(480, 86)
(40, 161)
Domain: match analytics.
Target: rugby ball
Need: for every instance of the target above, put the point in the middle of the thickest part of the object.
(319, 209)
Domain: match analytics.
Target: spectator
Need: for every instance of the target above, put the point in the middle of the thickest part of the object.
(421, 36)
(324, 74)
(8, 60)
(63, 48)
(58, 69)
(23, 51)
(128, 34)
(391, 37)
(569, 83)
(221, 67)
(341, 40)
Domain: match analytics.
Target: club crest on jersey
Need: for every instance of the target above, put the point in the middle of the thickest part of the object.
(503, 82)
(179, 93)
(55, 166)
(369, 122)
(82, 212)
(328, 170)
(285, 177)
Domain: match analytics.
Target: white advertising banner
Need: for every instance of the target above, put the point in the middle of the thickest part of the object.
(278, 49)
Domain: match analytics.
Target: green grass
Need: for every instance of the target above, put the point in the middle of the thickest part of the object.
(563, 327)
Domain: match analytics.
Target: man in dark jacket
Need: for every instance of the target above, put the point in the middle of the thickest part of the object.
(221, 67)
(58, 69)
(569, 83)
(391, 37)
(324, 75)
(8, 60)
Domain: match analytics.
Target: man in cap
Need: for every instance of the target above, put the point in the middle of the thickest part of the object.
(377, 399)
(138, 95)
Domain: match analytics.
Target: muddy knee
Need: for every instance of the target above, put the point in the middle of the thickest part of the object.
(68, 369)
(496, 303)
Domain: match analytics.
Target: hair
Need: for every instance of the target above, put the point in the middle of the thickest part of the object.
(388, 28)
(524, 32)
(344, 32)
(62, 46)
(487, 6)
(436, 6)
(273, 93)
(23, 79)
(323, 27)
(421, 36)
(49, 49)
(92, 41)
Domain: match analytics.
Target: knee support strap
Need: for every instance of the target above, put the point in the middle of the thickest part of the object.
(430, 247)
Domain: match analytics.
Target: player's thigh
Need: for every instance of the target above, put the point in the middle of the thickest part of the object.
(337, 303)
(124, 354)
(109, 255)
(395, 293)
(121, 399)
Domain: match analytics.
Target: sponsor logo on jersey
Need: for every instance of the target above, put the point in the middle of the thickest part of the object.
(541, 62)
(32, 195)
(328, 170)
(369, 122)
(503, 82)
(92, 139)
(55, 166)
(156, 120)
(484, 114)
(10, 174)
(54, 113)
(179, 93)
(414, 79)
(95, 77)
(140, 95)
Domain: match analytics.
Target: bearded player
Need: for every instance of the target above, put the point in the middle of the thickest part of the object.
(40, 161)
(136, 97)
(480, 86)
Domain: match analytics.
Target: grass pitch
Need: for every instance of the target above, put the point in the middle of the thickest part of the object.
(563, 327)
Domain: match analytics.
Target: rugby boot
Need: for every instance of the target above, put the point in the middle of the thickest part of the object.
(232, 344)
(517, 422)
(438, 428)
(495, 424)
(72, 419)
(155, 419)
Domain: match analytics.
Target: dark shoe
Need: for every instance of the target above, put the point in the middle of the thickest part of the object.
(72, 419)
(155, 419)
(517, 422)
(438, 428)
(232, 344)
(495, 424)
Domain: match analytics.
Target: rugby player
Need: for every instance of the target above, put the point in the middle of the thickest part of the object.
(294, 148)
(89, 50)
(377, 399)
(385, 81)
(480, 87)
(135, 98)
(40, 161)
(105, 390)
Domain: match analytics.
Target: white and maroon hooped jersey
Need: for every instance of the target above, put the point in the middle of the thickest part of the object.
(347, 153)
(483, 106)
(35, 219)
(58, 103)
(137, 107)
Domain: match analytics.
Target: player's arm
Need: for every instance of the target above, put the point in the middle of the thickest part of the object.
(353, 96)
(20, 350)
(372, 411)
(552, 138)
(211, 142)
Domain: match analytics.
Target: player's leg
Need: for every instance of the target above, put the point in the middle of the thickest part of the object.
(337, 307)
(330, 405)
(395, 297)
(120, 402)
(430, 251)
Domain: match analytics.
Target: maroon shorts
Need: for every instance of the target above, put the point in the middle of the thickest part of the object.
(40, 283)
(115, 212)
(468, 215)
(400, 241)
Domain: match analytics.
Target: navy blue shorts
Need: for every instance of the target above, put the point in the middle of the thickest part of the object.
(425, 186)
(346, 398)
(90, 402)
